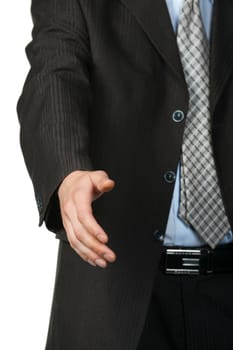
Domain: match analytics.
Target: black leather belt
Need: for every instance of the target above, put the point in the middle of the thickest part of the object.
(195, 261)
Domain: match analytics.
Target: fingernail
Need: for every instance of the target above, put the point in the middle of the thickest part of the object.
(109, 257)
(100, 262)
(91, 262)
(101, 237)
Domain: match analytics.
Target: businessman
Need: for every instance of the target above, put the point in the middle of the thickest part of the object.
(126, 131)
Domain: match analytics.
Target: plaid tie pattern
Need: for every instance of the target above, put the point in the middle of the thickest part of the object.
(201, 204)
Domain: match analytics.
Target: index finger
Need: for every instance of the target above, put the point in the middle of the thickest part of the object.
(83, 203)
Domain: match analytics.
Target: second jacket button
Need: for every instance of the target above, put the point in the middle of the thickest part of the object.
(170, 176)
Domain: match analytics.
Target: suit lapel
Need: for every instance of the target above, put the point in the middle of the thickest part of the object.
(154, 19)
(221, 47)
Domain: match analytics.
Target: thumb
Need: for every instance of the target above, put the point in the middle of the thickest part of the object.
(102, 182)
(105, 185)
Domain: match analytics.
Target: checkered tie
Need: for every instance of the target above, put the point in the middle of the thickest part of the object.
(201, 204)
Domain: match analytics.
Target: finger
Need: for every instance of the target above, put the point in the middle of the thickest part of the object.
(88, 239)
(85, 253)
(89, 255)
(102, 250)
(90, 224)
(84, 213)
(81, 203)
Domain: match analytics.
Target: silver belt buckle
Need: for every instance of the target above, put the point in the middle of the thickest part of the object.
(189, 262)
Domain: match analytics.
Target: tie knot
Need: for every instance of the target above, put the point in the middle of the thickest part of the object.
(190, 22)
(191, 6)
(192, 3)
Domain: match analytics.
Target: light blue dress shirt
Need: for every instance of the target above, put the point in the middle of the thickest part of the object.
(177, 232)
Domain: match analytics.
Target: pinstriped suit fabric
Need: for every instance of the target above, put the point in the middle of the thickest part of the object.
(196, 317)
(104, 82)
(53, 109)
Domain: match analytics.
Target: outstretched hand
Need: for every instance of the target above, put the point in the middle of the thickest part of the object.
(76, 193)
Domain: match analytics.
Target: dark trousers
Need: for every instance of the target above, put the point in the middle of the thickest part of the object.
(185, 312)
(190, 313)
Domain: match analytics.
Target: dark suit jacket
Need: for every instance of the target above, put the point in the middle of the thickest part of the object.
(104, 82)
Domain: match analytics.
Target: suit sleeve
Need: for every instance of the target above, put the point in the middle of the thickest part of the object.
(54, 103)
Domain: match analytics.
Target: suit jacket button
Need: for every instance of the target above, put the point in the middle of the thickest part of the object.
(169, 176)
(178, 116)
(158, 235)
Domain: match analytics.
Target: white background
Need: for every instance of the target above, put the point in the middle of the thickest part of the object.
(27, 253)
